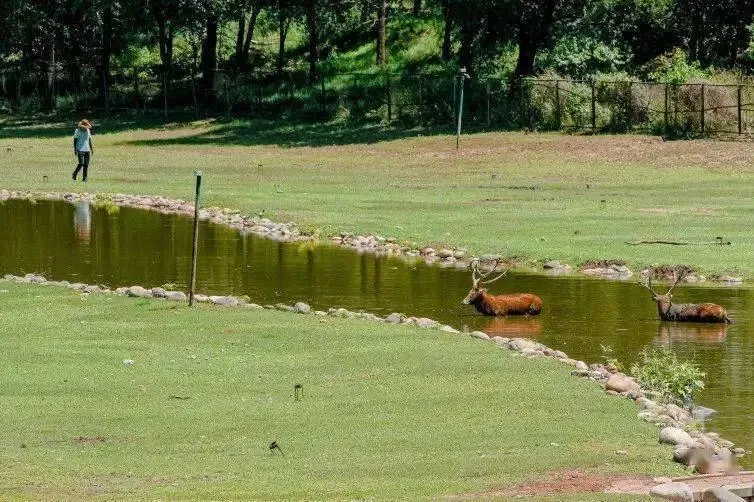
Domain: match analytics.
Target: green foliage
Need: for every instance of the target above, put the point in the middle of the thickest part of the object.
(661, 371)
(581, 56)
(674, 68)
(609, 359)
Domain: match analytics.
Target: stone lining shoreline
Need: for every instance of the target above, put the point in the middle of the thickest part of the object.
(706, 452)
(375, 244)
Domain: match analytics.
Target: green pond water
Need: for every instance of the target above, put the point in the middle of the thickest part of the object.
(86, 244)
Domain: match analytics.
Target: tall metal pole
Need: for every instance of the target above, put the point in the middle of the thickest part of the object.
(194, 248)
(462, 76)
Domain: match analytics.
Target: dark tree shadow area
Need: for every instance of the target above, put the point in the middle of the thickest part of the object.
(45, 127)
(289, 135)
(284, 133)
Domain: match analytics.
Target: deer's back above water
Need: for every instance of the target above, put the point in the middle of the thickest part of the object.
(696, 312)
(498, 305)
(686, 312)
(514, 304)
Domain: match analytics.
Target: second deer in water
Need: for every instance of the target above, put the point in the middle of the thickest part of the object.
(686, 312)
(487, 304)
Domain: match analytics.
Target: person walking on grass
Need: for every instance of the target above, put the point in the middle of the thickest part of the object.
(82, 147)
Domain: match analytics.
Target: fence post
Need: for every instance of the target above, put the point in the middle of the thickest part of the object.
(487, 87)
(421, 102)
(165, 93)
(594, 107)
(740, 123)
(666, 108)
(322, 95)
(389, 99)
(701, 118)
(455, 104)
(630, 106)
(227, 98)
(105, 90)
(558, 118)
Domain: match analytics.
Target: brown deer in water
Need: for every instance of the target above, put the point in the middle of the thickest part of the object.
(686, 312)
(487, 304)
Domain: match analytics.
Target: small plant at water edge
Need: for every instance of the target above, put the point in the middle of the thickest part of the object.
(611, 362)
(661, 371)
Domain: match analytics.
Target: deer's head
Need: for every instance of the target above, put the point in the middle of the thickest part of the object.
(478, 279)
(667, 297)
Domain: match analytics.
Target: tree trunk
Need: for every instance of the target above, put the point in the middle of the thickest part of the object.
(417, 7)
(245, 61)
(531, 34)
(311, 21)
(51, 76)
(381, 32)
(165, 37)
(107, 41)
(282, 34)
(527, 51)
(240, 39)
(446, 41)
(209, 53)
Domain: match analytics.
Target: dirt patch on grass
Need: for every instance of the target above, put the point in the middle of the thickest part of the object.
(130, 180)
(89, 439)
(628, 149)
(698, 211)
(576, 481)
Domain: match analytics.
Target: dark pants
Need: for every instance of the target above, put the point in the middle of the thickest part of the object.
(83, 162)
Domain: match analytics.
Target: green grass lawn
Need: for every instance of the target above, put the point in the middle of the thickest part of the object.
(537, 196)
(389, 412)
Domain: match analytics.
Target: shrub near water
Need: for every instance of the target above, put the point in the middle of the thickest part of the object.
(662, 371)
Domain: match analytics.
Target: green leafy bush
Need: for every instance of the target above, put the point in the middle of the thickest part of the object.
(661, 371)
(674, 68)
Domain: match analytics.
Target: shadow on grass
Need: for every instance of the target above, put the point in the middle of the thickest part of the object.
(49, 127)
(289, 135)
(218, 132)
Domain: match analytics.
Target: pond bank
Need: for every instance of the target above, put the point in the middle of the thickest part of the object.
(178, 403)
(707, 452)
(374, 244)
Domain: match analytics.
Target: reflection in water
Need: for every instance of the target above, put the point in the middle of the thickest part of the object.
(512, 327)
(707, 334)
(150, 248)
(82, 221)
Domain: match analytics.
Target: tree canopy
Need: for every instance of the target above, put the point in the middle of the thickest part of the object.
(87, 40)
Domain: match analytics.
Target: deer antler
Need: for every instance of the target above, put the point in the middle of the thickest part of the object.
(648, 284)
(678, 278)
(498, 277)
(482, 277)
(474, 265)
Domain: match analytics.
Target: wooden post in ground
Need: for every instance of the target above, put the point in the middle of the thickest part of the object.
(666, 109)
(322, 96)
(740, 122)
(594, 107)
(558, 117)
(421, 101)
(195, 244)
(487, 88)
(702, 116)
(389, 94)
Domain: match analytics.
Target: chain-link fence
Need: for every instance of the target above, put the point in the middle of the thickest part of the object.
(407, 100)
